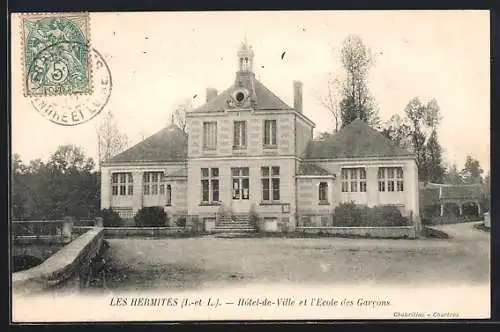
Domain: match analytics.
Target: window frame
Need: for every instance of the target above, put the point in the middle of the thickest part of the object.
(240, 176)
(323, 193)
(271, 140)
(391, 179)
(152, 182)
(211, 179)
(270, 178)
(239, 134)
(353, 179)
(207, 135)
(122, 184)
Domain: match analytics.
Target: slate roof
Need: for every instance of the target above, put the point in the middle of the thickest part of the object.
(263, 97)
(179, 173)
(356, 140)
(169, 144)
(307, 168)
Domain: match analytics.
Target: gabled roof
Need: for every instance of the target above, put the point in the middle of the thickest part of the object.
(356, 140)
(169, 144)
(262, 97)
(308, 168)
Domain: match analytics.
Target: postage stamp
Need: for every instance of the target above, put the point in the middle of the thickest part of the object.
(72, 110)
(56, 54)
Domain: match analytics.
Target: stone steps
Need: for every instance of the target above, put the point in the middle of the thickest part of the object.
(235, 225)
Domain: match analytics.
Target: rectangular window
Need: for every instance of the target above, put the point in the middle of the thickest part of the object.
(399, 176)
(209, 135)
(270, 132)
(362, 180)
(345, 180)
(241, 182)
(323, 192)
(353, 179)
(122, 184)
(270, 183)
(390, 179)
(240, 135)
(381, 179)
(209, 185)
(153, 183)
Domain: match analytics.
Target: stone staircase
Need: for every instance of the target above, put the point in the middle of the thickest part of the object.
(237, 224)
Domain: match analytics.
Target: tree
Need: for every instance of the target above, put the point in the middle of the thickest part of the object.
(452, 175)
(110, 140)
(356, 101)
(323, 135)
(472, 171)
(179, 113)
(69, 159)
(330, 100)
(434, 160)
(418, 129)
(399, 130)
(66, 185)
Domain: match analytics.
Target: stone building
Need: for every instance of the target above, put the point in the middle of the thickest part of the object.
(249, 150)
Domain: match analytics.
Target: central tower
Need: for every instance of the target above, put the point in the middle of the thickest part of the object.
(245, 57)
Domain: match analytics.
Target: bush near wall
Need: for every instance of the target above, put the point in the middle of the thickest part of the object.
(110, 218)
(354, 215)
(154, 216)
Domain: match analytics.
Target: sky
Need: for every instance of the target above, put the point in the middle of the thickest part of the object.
(158, 59)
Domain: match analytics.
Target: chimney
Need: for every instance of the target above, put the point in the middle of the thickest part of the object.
(297, 96)
(211, 94)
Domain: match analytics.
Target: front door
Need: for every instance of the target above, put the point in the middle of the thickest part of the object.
(240, 190)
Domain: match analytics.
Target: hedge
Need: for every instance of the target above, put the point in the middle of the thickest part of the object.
(354, 215)
(110, 218)
(154, 216)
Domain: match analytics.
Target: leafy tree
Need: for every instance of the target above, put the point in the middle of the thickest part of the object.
(69, 159)
(472, 171)
(399, 130)
(64, 186)
(356, 100)
(434, 160)
(416, 130)
(452, 175)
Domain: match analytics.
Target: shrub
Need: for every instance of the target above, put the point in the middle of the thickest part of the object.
(349, 214)
(181, 222)
(388, 215)
(110, 218)
(153, 216)
(353, 215)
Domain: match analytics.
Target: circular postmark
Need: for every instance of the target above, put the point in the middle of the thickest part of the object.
(69, 109)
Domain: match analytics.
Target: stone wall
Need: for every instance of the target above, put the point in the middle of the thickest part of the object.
(372, 232)
(67, 263)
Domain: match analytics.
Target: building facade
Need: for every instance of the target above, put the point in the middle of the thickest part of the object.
(249, 150)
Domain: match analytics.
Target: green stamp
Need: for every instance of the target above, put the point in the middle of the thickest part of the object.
(56, 54)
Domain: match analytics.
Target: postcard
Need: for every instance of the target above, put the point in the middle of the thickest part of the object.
(282, 165)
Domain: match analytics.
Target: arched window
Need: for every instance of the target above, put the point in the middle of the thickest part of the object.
(169, 194)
